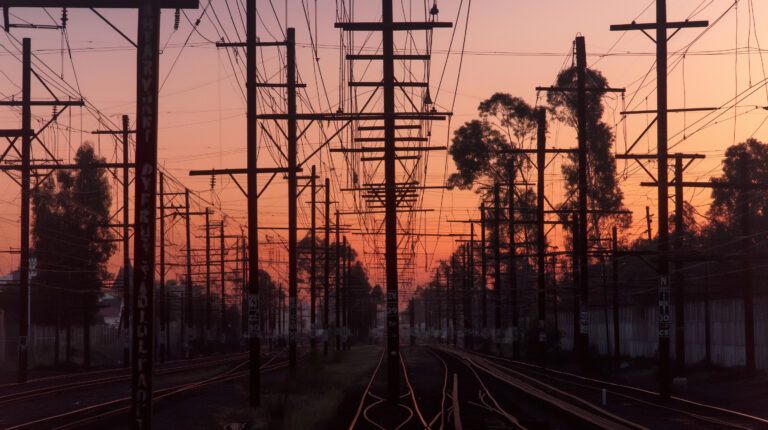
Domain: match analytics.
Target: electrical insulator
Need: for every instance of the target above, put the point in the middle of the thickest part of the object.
(213, 181)
(54, 112)
(64, 19)
(176, 19)
(434, 10)
(427, 98)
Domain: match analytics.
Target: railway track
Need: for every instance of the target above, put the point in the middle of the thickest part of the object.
(94, 413)
(481, 401)
(95, 379)
(703, 413)
(370, 401)
(93, 374)
(571, 407)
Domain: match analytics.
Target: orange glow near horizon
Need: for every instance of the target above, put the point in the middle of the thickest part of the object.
(510, 47)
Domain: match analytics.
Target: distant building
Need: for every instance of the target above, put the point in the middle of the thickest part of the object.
(111, 300)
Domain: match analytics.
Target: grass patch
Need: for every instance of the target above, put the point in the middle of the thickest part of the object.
(311, 397)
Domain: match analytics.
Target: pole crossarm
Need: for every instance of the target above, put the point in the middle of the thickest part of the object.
(397, 139)
(405, 57)
(380, 190)
(638, 112)
(534, 151)
(70, 166)
(712, 184)
(363, 116)
(362, 212)
(15, 133)
(99, 4)
(239, 171)
(656, 156)
(653, 25)
(43, 103)
(402, 148)
(399, 157)
(588, 89)
(394, 26)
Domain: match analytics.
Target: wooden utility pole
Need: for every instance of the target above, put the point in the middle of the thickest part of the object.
(483, 278)
(388, 85)
(313, 262)
(327, 264)
(163, 317)
(254, 336)
(616, 327)
(679, 266)
(661, 26)
(497, 266)
(541, 144)
(148, 47)
(186, 329)
(412, 322)
(292, 190)
(581, 336)
(222, 292)
(208, 298)
(581, 113)
(513, 272)
(27, 134)
(344, 287)
(469, 290)
(337, 302)
(125, 319)
(347, 294)
(554, 295)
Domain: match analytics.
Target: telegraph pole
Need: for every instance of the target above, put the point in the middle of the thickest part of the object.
(513, 272)
(148, 46)
(126, 319)
(186, 330)
(388, 85)
(337, 306)
(581, 336)
(164, 333)
(554, 294)
(313, 261)
(126, 244)
(615, 273)
(497, 265)
(222, 298)
(327, 264)
(581, 112)
(207, 274)
(469, 289)
(254, 336)
(345, 296)
(26, 143)
(483, 275)
(661, 25)
(679, 286)
(292, 190)
(27, 134)
(541, 143)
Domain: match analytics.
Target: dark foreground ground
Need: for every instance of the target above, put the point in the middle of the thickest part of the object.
(440, 388)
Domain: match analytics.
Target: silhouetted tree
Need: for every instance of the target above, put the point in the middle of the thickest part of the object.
(71, 244)
(604, 193)
(746, 162)
(478, 148)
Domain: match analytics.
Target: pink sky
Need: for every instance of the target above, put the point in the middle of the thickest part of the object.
(511, 46)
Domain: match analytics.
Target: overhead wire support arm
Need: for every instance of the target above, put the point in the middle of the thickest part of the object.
(664, 292)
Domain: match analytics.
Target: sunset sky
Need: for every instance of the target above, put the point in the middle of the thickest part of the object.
(511, 46)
